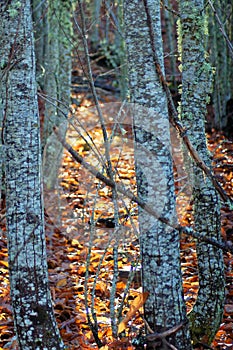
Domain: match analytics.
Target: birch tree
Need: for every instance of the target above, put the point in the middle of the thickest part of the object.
(206, 315)
(159, 244)
(34, 319)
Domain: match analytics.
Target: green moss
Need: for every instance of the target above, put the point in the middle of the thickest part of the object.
(199, 332)
(3, 63)
(14, 8)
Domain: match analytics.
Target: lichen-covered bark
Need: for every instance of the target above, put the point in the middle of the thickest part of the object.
(53, 50)
(31, 301)
(161, 273)
(196, 86)
(221, 61)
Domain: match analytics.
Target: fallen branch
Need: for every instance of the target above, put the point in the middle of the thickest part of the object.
(153, 336)
(120, 188)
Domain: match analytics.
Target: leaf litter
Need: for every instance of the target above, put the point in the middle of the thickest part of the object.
(79, 217)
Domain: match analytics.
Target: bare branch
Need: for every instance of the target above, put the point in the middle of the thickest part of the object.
(168, 8)
(110, 172)
(162, 336)
(120, 188)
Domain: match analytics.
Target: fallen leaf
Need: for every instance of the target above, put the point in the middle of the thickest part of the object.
(4, 263)
(138, 302)
(62, 282)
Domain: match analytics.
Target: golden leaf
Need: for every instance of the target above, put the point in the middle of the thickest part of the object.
(138, 302)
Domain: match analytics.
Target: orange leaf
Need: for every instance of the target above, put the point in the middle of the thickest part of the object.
(4, 263)
(138, 302)
(62, 282)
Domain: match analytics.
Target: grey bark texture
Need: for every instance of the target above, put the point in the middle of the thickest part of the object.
(30, 295)
(206, 315)
(161, 271)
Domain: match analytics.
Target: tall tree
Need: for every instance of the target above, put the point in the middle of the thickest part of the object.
(52, 25)
(206, 315)
(161, 272)
(220, 21)
(31, 301)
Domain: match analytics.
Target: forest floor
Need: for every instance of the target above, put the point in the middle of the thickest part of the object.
(82, 239)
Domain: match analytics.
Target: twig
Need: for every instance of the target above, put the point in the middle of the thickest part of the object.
(169, 9)
(51, 100)
(92, 85)
(92, 324)
(110, 172)
(2, 218)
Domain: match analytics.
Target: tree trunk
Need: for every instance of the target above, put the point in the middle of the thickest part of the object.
(40, 24)
(206, 315)
(161, 271)
(31, 301)
(221, 62)
(53, 50)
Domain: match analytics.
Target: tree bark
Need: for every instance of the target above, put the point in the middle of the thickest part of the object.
(53, 57)
(161, 271)
(221, 61)
(30, 295)
(206, 315)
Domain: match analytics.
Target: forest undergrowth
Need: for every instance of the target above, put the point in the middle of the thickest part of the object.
(80, 215)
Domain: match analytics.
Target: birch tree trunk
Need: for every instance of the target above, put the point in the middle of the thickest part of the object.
(206, 315)
(161, 271)
(31, 301)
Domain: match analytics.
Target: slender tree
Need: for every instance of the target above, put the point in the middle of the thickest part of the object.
(219, 22)
(34, 319)
(161, 272)
(52, 24)
(206, 315)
